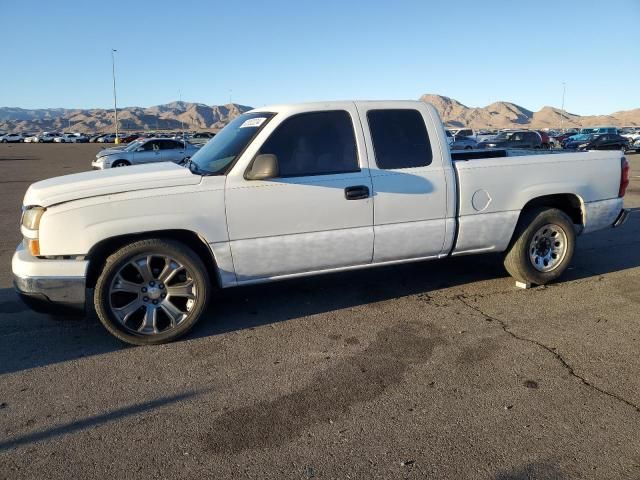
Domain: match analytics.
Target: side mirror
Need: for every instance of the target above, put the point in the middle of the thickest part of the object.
(139, 149)
(263, 167)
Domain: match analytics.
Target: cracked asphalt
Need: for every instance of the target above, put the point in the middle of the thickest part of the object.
(430, 370)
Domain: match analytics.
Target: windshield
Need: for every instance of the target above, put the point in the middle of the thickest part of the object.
(132, 146)
(222, 150)
(582, 136)
(503, 136)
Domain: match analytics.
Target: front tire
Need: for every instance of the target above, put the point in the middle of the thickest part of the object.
(543, 246)
(120, 163)
(151, 292)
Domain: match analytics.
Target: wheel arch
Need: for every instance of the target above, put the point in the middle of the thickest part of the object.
(569, 203)
(99, 253)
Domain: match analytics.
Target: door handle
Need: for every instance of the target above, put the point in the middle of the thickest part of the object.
(357, 192)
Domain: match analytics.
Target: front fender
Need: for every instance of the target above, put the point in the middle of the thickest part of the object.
(73, 228)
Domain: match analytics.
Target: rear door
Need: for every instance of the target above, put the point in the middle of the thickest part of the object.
(409, 183)
(317, 214)
(171, 150)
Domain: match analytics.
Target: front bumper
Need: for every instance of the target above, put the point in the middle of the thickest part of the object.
(98, 165)
(47, 285)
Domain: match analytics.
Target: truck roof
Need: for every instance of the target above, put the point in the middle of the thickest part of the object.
(310, 106)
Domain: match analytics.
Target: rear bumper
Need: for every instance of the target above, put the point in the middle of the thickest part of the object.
(622, 217)
(49, 285)
(602, 214)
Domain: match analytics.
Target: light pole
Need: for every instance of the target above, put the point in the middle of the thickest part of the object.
(115, 102)
(564, 90)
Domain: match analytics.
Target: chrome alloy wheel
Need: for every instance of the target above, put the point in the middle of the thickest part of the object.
(548, 247)
(152, 294)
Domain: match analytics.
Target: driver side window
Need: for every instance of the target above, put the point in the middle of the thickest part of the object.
(317, 143)
(151, 146)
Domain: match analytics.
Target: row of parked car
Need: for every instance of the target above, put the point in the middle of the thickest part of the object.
(589, 138)
(57, 137)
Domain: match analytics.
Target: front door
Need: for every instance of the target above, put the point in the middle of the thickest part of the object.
(148, 153)
(317, 214)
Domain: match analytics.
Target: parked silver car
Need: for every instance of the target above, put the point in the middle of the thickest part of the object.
(463, 143)
(12, 138)
(148, 150)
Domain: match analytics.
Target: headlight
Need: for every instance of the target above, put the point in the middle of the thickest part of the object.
(31, 217)
(31, 222)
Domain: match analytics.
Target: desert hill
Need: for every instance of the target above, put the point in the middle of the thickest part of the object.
(510, 115)
(198, 116)
(171, 116)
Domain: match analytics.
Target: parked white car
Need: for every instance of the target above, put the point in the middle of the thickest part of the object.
(632, 133)
(46, 137)
(459, 133)
(110, 138)
(31, 139)
(294, 190)
(12, 138)
(142, 151)
(71, 138)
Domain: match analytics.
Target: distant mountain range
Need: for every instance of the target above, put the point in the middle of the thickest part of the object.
(171, 116)
(198, 116)
(510, 115)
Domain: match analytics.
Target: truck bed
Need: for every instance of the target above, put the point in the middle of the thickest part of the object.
(495, 185)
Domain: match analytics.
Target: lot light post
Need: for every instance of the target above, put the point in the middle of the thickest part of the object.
(115, 102)
(564, 90)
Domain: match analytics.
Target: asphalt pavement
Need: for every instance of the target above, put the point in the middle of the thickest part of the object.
(430, 370)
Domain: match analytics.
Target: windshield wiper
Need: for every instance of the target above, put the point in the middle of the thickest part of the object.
(193, 168)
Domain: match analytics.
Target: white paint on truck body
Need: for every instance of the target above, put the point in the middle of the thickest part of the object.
(263, 230)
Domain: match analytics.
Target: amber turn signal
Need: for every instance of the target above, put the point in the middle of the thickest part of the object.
(34, 246)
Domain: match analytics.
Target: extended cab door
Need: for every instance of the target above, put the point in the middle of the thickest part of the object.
(317, 213)
(409, 182)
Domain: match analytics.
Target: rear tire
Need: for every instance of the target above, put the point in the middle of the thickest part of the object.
(542, 246)
(151, 292)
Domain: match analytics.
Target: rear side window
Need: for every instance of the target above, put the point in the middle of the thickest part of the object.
(400, 139)
(317, 143)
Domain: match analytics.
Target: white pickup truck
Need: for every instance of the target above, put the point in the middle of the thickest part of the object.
(293, 190)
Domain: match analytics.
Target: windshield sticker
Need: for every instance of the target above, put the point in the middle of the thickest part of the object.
(253, 122)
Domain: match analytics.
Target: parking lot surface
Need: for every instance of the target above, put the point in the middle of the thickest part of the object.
(428, 370)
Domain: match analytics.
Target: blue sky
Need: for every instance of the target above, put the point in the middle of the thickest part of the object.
(57, 54)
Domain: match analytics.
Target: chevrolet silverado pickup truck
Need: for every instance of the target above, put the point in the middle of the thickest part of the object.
(293, 190)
